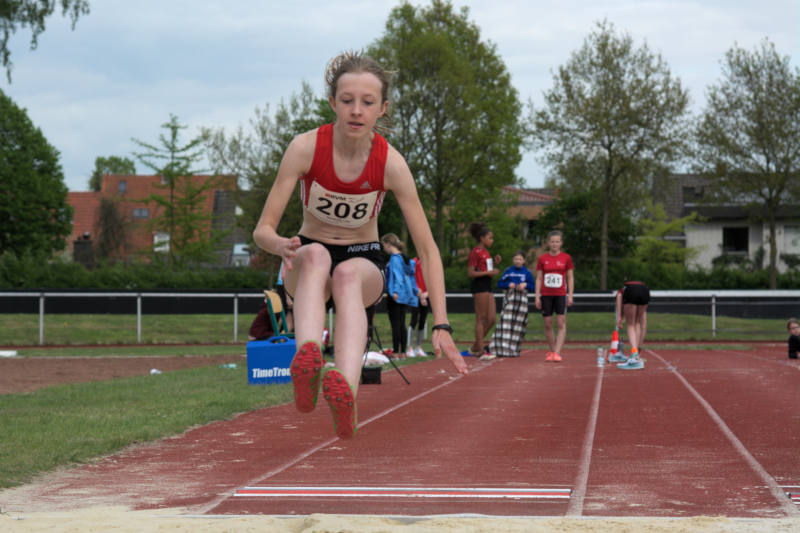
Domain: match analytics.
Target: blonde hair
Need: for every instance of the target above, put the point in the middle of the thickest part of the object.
(357, 62)
(394, 240)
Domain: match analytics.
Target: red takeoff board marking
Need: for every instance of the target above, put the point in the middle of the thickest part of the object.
(793, 492)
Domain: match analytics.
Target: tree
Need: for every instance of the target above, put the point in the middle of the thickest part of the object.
(652, 245)
(112, 164)
(455, 114)
(22, 13)
(255, 156)
(614, 117)
(34, 213)
(113, 231)
(748, 138)
(181, 215)
(575, 213)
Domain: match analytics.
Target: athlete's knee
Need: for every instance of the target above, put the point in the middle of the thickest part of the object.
(345, 273)
(314, 255)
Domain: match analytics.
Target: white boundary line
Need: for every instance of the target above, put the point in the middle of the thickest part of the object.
(219, 499)
(778, 493)
(405, 492)
(575, 507)
(782, 362)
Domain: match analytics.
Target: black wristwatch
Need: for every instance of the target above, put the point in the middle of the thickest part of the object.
(447, 327)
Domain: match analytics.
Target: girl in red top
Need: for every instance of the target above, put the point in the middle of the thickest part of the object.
(555, 285)
(343, 171)
(481, 268)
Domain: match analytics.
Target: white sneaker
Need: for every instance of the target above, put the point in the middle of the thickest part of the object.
(410, 353)
(420, 352)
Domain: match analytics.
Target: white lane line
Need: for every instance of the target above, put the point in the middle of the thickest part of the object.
(290, 463)
(575, 507)
(765, 359)
(405, 492)
(768, 480)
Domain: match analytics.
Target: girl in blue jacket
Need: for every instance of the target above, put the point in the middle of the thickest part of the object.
(401, 289)
(516, 281)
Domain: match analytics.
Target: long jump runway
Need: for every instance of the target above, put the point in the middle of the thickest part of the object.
(697, 432)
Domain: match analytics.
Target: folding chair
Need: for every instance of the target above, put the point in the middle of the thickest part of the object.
(277, 314)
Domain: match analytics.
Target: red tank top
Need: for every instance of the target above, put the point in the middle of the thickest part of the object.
(345, 204)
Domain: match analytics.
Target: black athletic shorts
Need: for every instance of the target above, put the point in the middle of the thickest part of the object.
(636, 293)
(554, 304)
(481, 284)
(371, 251)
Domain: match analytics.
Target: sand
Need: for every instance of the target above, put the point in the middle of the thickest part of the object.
(119, 519)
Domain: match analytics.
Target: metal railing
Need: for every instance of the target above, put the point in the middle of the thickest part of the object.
(746, 303)
(43, 295)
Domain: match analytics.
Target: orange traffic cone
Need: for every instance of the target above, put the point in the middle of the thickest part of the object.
(614, 355)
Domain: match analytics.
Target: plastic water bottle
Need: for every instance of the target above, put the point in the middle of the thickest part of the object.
(601, 358)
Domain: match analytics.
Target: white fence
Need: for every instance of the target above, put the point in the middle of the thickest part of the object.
(760, 303)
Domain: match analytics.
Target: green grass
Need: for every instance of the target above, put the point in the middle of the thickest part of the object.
(23, 330)
(134, 350)
(70, 424)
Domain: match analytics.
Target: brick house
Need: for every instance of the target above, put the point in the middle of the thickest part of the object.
(529, 203)
(130, 193)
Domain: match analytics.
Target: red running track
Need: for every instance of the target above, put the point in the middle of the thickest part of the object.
(714, 432)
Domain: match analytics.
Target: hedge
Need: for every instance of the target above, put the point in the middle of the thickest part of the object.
(29, 272)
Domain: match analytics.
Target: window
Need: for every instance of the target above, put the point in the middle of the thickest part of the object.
(141, 212)
(791, 239)
(735, 240)
(122, 186)
(161, 242)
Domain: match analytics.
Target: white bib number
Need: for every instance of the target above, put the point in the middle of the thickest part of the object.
(340, 209)
(553, 281)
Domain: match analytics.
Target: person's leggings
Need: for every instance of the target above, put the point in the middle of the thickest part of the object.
(418, 316)
(397, 318)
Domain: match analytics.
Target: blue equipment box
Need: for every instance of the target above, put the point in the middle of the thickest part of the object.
(268, 361)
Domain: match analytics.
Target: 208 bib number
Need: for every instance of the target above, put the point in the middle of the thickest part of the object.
(340, 209)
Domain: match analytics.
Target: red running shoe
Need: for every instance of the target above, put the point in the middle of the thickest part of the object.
(306, 370)
(549, 357)
(342, 402)
(556, 358)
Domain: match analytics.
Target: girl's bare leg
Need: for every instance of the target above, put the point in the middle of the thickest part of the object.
(561, 336)
(548, 332)
(491, 314)
(629, 311)
(481, 319)
(309, 282)
(641, 323)
(356, 283)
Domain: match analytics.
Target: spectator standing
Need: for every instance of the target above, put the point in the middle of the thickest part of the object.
(481, 268)
(516, 281)
(401, 289)
(555, 285)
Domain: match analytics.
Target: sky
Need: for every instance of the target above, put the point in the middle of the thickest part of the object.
(128, 65)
